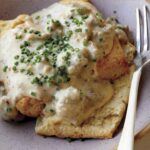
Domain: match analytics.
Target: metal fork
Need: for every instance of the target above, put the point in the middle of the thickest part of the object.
(142, 58)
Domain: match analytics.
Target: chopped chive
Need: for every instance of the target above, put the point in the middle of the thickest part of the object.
(72, 10)
(77, 22)
(52, 110)
(37, 17)
(67, 23)
(26, 43)
(48, 29)
(85, 42)
(48, 22)
(5, 68)
(99, 16)
(8, 109)
(78, 30)
(16, 57)
(100, 39)
(25, 30)
(94, 60)
(29, 72)
(22, 70)
(69, 33)
(86, 30)
(37, 32)
(39, 47)
(84, 17)
(33, 93)
(22, 59)
(14, 68)
(16, 63)
(31, 31)
(18, 36)
(36, 80)
(56, 22)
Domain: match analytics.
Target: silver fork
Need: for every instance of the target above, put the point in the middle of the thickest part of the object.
(143, 57)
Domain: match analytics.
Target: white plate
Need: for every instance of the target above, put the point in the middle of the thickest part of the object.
(22, 136)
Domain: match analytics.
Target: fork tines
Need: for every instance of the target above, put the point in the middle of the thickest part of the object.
(145, 29)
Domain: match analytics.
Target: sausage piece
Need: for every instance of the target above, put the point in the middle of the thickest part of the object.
(29, 107)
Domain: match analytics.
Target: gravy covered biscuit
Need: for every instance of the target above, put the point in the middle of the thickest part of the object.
(68, 67)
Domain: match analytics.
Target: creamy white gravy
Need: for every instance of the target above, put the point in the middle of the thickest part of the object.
(51, 57)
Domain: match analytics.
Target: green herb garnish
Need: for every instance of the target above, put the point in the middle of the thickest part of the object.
(77, 21)
(8, 109)
(29, 72)
(5, 68)
(26, 43)
(52, 110)
(25, 30)
(16, 63)
(84, 17)
(78, 30)
(56, 23)
(37, 17)
(33, 93)
(16, 57)
(85, 42)
(98, 16)
(18, 36)
(100, 39)
(14, 68)
(67, 23)
(22, 70)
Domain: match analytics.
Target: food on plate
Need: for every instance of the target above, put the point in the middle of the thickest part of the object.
(68, 67)
(29, 106)
(105, 67)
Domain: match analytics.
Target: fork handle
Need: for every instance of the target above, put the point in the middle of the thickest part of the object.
(127, 137)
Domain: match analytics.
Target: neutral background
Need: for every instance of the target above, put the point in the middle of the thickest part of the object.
(22, 136)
